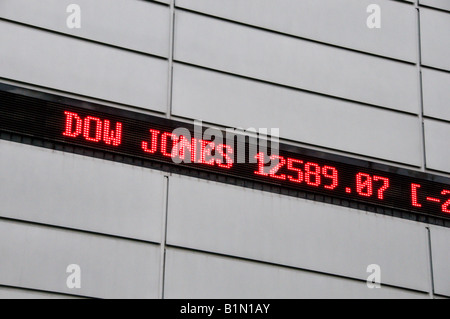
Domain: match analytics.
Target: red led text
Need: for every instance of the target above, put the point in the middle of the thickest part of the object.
(300, 172)
(188, 150)
(415, 192)
(93, 129)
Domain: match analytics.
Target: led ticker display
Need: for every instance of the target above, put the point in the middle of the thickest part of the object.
(108, 129)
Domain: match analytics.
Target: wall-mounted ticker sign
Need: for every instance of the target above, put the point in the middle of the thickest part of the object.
(99, 127)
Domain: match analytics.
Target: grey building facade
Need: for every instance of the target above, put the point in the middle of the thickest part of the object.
(332, 75)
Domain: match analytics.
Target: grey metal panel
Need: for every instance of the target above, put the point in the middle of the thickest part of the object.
(436, 93)
(440, 4)
(236, 102)
(193, 275)
(440, 249)
(80, 192)
(77, 66)
(293, 62)
(138, 25)
(437, 137)
(268, 227)
(434, 27)
(16, 293)
(37, 257)
(338, 22)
